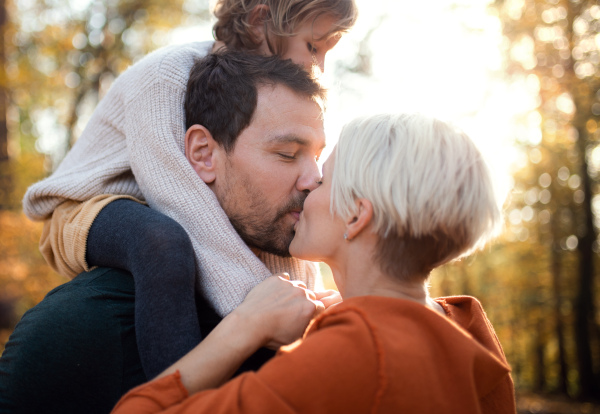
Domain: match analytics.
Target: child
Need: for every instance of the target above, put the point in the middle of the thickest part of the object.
(131, 151)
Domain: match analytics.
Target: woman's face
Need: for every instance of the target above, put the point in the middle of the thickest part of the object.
(309, 46)
(318, 233)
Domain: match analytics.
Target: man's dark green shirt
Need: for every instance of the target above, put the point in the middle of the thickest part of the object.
(76, 351)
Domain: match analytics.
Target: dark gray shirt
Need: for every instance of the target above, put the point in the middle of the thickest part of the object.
(76, 351)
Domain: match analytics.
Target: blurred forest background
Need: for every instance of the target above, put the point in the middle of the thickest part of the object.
(539, 282)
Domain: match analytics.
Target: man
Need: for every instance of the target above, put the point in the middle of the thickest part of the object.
(76, 351)
(133, 147)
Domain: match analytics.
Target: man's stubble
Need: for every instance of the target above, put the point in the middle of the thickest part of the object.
(259, 225)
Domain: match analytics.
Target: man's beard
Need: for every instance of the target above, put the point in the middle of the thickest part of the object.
(272, 236)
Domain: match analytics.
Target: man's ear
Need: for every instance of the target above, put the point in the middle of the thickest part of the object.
(201, 150)
(257, 18)
(361, 219)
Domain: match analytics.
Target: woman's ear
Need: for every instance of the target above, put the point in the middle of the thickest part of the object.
(361, 219)
(200, 151)
(257, 18)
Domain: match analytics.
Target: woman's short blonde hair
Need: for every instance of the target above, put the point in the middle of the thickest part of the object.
(431, 190)
(284, 18)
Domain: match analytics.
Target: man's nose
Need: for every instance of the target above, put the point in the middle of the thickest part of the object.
(309, 178)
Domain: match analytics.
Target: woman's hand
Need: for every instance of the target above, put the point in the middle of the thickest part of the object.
(275, 313)
(278, 310)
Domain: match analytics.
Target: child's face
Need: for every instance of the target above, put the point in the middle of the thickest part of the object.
(309, 46)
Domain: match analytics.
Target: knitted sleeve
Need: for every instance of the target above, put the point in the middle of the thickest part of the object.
(134, 145)
(97, 163)
(155, 130)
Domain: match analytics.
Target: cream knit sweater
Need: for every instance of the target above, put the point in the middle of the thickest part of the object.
(134, 145)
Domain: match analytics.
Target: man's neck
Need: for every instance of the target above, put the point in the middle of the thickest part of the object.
(256, 251)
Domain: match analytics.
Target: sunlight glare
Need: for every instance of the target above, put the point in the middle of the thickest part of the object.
(442, 58)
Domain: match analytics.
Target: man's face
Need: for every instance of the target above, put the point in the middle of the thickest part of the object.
(263, 182)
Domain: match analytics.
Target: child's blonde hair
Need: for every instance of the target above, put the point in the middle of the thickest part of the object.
(284, 17)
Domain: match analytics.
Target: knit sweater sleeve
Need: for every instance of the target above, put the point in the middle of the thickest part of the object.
(155, 129)
(133, 145)
(99, 161)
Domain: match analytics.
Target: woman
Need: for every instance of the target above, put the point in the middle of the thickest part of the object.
(401, 195)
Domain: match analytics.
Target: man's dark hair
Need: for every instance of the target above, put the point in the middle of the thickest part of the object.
(222, 90)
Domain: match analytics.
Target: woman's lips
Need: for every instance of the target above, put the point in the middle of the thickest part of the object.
(297, 215)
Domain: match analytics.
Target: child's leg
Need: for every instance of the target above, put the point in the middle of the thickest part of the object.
(159, 254)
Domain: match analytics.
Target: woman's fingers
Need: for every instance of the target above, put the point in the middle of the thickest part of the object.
(283, 275)
(297, 283)
(319, 307)
(279, 310)
(328, 297)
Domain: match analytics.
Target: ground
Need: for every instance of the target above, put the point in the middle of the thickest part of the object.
(539, 404)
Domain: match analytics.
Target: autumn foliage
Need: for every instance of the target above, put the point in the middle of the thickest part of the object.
(539, 282)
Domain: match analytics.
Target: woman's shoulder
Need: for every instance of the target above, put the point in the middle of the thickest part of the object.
(468, 313)
(349, 315)
(376, 326)
(326, 340)
(377, 310)
(363, 312)
(408, 327)
(408, 337)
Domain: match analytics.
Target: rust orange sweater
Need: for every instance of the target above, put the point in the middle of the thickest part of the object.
(366, 355)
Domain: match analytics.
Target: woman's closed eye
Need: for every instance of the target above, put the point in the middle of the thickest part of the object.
(311, 48)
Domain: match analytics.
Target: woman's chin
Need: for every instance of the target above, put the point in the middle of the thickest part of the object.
(295, 251)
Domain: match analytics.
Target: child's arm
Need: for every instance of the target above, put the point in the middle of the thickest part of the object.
(64, 237)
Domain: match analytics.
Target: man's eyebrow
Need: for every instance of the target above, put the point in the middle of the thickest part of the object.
(291, 139)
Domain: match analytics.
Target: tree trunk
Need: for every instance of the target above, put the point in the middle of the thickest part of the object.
(3, 86)
(540, 365)
(5, 176)
(584, 301)
(558, 323)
